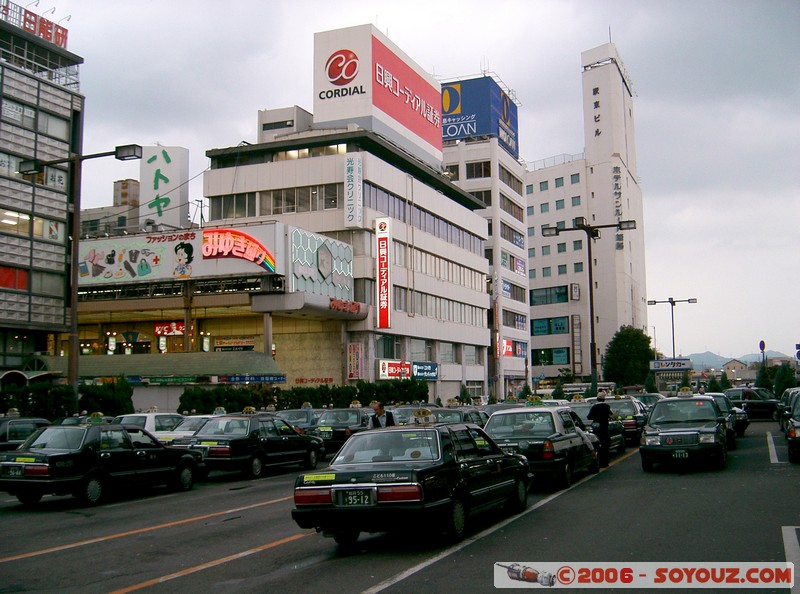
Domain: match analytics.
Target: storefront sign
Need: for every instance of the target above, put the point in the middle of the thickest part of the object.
(383, 233)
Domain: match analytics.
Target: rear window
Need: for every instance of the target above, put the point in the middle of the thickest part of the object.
(58, 438)
(138, 420)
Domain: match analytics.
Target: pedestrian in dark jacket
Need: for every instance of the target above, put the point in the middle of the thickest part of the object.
(600, 414)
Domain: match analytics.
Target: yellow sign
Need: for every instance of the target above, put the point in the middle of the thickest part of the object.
(311, 478)
(24, 459)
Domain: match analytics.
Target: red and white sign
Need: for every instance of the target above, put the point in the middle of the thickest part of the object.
(169, 328)
(389, 369)
(383, 283)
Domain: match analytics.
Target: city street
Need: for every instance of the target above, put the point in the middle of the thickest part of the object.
(232, 535)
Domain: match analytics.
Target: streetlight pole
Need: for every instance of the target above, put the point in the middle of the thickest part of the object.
(592, 233)
(672, 303)
(123, 153)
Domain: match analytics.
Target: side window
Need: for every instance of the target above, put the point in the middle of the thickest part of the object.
(569, 426)
(115, 439)
(267, 428)
(20, 429)
(483, 443)
(465, 447)
(141, 439)
(283, 427)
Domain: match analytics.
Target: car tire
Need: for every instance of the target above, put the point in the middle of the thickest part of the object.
(457, 520)
(565, 476)
(647, 464)
(184, 478)
(622, 446)
(518, 500)
(721, 460)
(794, 458)
(254, 468)
(346, 538)
(732, 440)
(93, 490)
(312, 458)
(594, 465)
(29, 499)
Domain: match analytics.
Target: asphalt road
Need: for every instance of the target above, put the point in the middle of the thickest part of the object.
(232, 535)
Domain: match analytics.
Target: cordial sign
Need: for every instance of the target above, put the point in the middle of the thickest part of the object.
(341, 69)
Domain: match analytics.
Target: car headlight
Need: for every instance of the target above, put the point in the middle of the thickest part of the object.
(708, 438)
(651, 440)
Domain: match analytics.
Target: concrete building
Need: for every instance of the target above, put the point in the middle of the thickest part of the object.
(601, 185)
(42, 118)
(120, 218)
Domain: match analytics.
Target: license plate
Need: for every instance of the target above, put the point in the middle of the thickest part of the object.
(13, 470)
(509, 450)
(680, 454)
(326, 434)
(356, 497)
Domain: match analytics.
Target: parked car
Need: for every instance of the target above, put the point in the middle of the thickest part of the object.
(305, 420)
(785, 406)
(758, 403)
(188, 426)
(616, 431)
(490, 409)
(733, 424)
(632, 413)
(548, 438)
(154, 422)
(461, 414)
(429, 477)
(649, 399)
(250, 442)
(793, 433)
(336, 425)
(684, 430)
(88, 460)
(15, 430)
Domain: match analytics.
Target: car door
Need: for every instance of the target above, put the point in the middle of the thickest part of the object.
(282, 443)
(576, 450)
(154, 463)
(116, 456)
(481, 466)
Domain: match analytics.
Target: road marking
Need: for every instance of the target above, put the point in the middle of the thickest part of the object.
(455, 548)
(82, 543)
(196, 568)
(773, 455)
(791, 550)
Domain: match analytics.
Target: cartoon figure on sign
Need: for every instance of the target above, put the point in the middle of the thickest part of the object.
(184, 254)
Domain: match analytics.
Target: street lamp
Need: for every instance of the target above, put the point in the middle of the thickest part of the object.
(672, 303)
(592, 232)
(125, 152)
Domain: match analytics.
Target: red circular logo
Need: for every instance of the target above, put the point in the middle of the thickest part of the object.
(342, 67)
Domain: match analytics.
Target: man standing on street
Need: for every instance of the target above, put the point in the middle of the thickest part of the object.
(382, 417)
(600, 413)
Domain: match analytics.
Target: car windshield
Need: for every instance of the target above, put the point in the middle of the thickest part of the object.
(224, 426)
(191, 424)
(339, 417)
(676, 410)
(131, 420)
(390, 446)
(444, 415)
(57, 437)
(520, 424)
(623, 408)
(294, 416)
(722, 403)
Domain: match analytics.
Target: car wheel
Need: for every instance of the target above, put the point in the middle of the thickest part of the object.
(518, 501)
(29, 498)
(622, 446)
(346, 538)
(93, 490)
(594, 465)
(255, 468)
(722, 459)
(184, 478)
(732, 440)
(647, 464)
(311, 459)
(794, 458)
(565, 480)
(457, 521)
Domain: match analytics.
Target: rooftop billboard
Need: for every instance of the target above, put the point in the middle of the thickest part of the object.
(479, 107)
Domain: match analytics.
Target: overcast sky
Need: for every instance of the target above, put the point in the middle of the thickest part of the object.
(717, 112)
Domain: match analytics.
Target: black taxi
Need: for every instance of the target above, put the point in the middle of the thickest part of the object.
(250, 442)
(336, 425)
(89, 460)
(434, 475)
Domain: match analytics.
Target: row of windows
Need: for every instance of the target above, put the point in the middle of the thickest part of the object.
(50, 176)
(19, 223)
(559, 225)
(479, 169)
(512, 235)
(556, 356)
(438, 308)
(305, 153)
(547, 326)
(390, 347)
(512, 291)
(513, 319)
(544, 185)
(510, 262)
(438, 267)
(561, 248)
(484, 196)
(511, 207)
(34, 119)
(38, 282)
(560, 205)
(549, 295)
(511, 180)
(562, 269)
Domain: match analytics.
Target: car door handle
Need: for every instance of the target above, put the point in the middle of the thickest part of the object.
(105, 455)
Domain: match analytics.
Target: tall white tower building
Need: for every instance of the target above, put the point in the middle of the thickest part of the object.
(601, 186)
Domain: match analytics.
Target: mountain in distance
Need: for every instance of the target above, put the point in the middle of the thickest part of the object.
(709, 360)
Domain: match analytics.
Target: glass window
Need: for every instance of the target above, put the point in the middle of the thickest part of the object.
(543, 186)
(545, 250)
(560, 204)
(575, 178)
(561, 247)
(544, 207)
(562, 269)
(577, 245)
(546, 271)
(529, 189)
(559, 182)
(576, 201)
(577, 267)
(479, 169)
(531, 252)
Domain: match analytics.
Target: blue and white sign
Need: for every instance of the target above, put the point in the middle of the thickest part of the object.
(479, 107)
(425, 370)
(671, 365)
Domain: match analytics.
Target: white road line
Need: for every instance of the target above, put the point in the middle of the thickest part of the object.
(791, 549)
(773, 455)
(455, 548)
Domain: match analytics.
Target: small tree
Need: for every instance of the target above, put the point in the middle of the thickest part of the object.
(685, 383)
(558, 391)
(650, 383)
(724, 382)
(714, 385)
(784, 378)
(762, 378)
(628, 357)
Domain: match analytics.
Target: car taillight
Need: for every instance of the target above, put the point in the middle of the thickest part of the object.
(629, 423)
(312, 496)
(219, 451)
(399, 493)
(37, 470)
(548, 451)
(792, 433)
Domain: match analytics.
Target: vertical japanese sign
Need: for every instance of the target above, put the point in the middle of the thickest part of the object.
(355, 360)
(353, 191)
(164, 188)
(383, 233)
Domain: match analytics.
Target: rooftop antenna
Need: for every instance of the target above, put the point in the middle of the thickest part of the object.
(609, 34)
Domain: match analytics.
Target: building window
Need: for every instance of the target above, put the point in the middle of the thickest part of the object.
(485, 196)
(532, 273)
(511, 207)
(560, 204)
(577, 267)
(577, 245)
(561, 225)
(576, 201)
(544, 207)
(14, 278)
(531, 231)
(512, 235)
(547, 326)
(545, 271)
(451, 172)
(559, 182)
(561, 247)
(562, 269)
(549, 295)
(511, 180)
(558, 356)
(545, 250)
(543, 186)
(529, 189)
(531, 252)
(479, 169)
(531, 211)
(575, 178)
